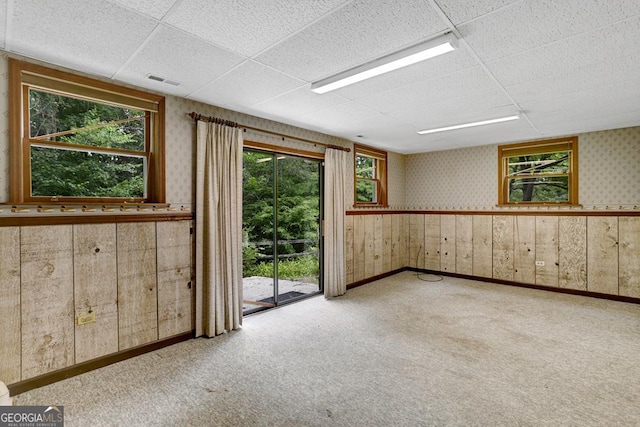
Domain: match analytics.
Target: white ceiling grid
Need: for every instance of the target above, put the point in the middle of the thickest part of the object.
(570, 66)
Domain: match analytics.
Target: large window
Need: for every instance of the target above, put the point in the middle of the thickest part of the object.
(542, 172)
(76, 139)
(370, 180)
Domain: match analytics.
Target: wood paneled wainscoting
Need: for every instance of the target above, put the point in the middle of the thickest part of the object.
(586, 252)
(81, 292)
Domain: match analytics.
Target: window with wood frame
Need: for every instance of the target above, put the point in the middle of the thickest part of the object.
(370, 178)
(539, 172)
(76, 139)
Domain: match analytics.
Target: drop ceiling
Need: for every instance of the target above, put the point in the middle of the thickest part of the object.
(569, 66)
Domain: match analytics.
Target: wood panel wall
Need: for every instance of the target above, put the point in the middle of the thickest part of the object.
(10, 330)
(464, 244)
(594, 253)
(629, 256)
(52, 274)
(572, 252)
(602, 254)
(482, 246)
(546, 242)
(448, 243)
(46, 287)
(137, 291)
(174, 278)
(95, 289)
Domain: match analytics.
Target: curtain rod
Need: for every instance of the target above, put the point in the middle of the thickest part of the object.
(196, 117)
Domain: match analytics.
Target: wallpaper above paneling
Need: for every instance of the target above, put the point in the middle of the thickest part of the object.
(467, 178)
(453, 179)
(397, 179)
(609, 167)
(180, 143)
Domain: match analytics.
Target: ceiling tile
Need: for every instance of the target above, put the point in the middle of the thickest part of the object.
(175, 55)
(459, 12)
(577, 126)
(247, 26)
(347, 118)
(249, 84)
(483, 104)
(572, 66)
(298, 103)
(455, 85)
(613, 44)
(97, 37)
(505, 33)
(153, 8)
(359, 32)
(586, 105)
(575, 80)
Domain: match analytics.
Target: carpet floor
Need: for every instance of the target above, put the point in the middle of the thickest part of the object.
(397, 352)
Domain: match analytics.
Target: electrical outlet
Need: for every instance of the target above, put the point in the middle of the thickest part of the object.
(86, 318)
(540, 263)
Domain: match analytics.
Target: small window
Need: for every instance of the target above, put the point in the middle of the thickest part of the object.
(370, 167)
(543, 172)
(80, 140)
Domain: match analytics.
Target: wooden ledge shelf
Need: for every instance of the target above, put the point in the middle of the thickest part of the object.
(116, 217)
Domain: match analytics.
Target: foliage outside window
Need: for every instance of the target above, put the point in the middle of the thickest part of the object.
(542, 172)
(76, 139)
(370, 180)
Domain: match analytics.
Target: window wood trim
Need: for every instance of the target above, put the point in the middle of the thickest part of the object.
(381, 171)
(539, 147)
(23, 74)
(261, 146)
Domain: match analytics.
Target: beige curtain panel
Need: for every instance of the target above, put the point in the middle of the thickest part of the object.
(218, 229)
(335, 169)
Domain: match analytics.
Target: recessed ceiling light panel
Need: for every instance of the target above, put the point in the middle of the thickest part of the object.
(403, 58)
(468, 125)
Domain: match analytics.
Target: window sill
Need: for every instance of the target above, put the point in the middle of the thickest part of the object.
(369, 206)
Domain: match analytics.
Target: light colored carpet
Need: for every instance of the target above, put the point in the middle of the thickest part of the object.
(397, 352)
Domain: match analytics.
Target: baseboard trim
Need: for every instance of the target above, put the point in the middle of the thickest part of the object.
(374, 278)
(81, 368)
(611, 297)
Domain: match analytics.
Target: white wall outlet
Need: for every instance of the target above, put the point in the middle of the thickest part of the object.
(540, 263)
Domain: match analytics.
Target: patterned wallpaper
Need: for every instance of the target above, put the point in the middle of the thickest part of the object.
(609, 164)
(180, 134)
(397, 178)
(467, 178)
(453, 179)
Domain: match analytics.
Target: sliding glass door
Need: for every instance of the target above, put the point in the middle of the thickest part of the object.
(281, 229)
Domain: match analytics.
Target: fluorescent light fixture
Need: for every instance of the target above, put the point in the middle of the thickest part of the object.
(468, 125)
(394, 61)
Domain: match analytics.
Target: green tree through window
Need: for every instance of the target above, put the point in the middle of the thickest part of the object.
(540, 172)
(79, 140)
(78, 171)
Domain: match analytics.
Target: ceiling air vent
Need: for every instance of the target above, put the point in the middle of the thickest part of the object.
(162, 80)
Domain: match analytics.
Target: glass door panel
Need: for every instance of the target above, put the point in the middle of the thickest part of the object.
(281, 229)
(258, 232)
(298, 230)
